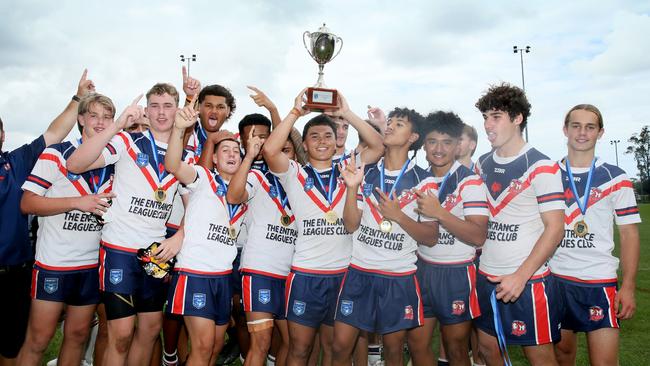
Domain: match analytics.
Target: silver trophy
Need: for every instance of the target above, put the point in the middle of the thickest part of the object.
(322, 47)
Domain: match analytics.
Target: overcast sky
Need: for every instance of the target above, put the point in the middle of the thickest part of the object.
(427, 55)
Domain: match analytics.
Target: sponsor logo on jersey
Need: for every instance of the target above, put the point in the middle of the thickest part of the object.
(115, 276)
(347, 306)
(264, 296)
(50, 285)
(298, 307)
(367, 189)
(518, 328)
(198, 300)
(596, 313)
(458, 307)
(408, 312)
(142, 160)
(73, 176)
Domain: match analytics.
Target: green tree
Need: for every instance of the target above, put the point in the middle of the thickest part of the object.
(640, 147)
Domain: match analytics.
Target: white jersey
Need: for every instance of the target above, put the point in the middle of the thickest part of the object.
(463, 194)
(70, 240)
(589, 258)
(391, 252)
(242, 239)
(137, 218)
(271, 241)
(520, 189)
(321, 247)
(208, 247)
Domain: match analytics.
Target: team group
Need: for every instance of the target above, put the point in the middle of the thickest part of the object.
(305, 252)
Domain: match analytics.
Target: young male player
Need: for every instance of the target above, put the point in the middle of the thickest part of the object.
(467, 146)
(144, 195)
(526, 203)
(323, 245)
(201, 285)
(67, 248)
(16, 254)
(446, 271)
(596, 194)
(380, 292)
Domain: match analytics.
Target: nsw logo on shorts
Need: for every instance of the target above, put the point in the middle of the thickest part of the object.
(264, 296)
(116, 276)
(142, 160)
(198, 300)
(50, 285)
(299, 307)
(347, 306)
(518, 328)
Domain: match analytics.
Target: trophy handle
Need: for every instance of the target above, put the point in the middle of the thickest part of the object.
(306, 35)
(339, 41)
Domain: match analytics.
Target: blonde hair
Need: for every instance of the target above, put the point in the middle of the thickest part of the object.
(161, 89)
(585, 107)
(89, 100)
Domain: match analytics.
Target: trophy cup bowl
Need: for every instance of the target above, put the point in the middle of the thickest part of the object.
(322, 47)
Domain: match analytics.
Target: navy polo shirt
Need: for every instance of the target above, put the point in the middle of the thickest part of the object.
(15, 166)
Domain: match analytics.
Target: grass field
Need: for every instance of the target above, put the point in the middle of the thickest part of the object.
(635, 333)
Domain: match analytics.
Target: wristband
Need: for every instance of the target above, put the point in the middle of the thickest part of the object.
(188, 99)
(76, 98)
(296, 110)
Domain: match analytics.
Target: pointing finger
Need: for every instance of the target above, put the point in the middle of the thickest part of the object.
(254, 89)
(184, 73)
(136, 100)
(84, 75)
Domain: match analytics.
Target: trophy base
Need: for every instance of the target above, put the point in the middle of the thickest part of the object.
(321, 99)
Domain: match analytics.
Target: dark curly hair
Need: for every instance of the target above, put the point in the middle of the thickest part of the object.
(219, 91)
(507, 98)
(417, 124)
(443, 122)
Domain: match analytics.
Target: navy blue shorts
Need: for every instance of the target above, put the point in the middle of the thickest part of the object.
(121, 273)
(76, 287)
(588, 306)
(205, 296)
(263, 294)
(449, 291)
(311, 298)
(533, 319)
(236, 273)
(380, 303)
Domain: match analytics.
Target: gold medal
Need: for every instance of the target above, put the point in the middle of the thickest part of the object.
(285, 220)
(160, 195)
(580, 228)
(385, 226)
(232, 232)
(331, 217)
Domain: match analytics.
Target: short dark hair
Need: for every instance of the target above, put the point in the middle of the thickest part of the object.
(216, 146)
(416, 120)
(219, 91)
(254, 119)
(443, 122)
(507, 98)
(320, 120)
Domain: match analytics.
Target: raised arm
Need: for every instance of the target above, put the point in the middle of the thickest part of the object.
(191, 87)
(352, 176)
(64, 122)
(88, 155)
(174, 163)
(368, 134)
(276, 160)
(296, 139)
(34, 204)
(237, 188)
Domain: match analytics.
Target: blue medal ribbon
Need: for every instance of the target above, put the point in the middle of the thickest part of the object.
(585, 199)
(498, 328)
(154, 147)
(93, 185)
(330, 191)
(441, 187)
(283, 201)
(232, 209)
(399, 177)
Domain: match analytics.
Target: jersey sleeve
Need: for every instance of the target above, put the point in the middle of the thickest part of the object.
(474, 195)
(546, 180)
(625, 207)
(200, 175)
(252, 183)
(288, 177)
(115, 148)
(43, 174)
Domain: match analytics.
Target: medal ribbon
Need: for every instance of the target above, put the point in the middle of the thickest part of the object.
(442, 186)
(382, 186)
(501, 338)
(585, 200)
(232, 209)
(281, 204)
(154, 147)
(143, 169)
(329, 192)
(93, 185)
(283, 201)
(317, 200)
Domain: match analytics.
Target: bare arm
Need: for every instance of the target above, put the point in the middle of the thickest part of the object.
(352, 178)
(368, 134)
(272, 150)
(174, 163)
(625, 304)
(64, 122)
(33, 204)
(88, 155)
(511, 286)
(237, 188)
